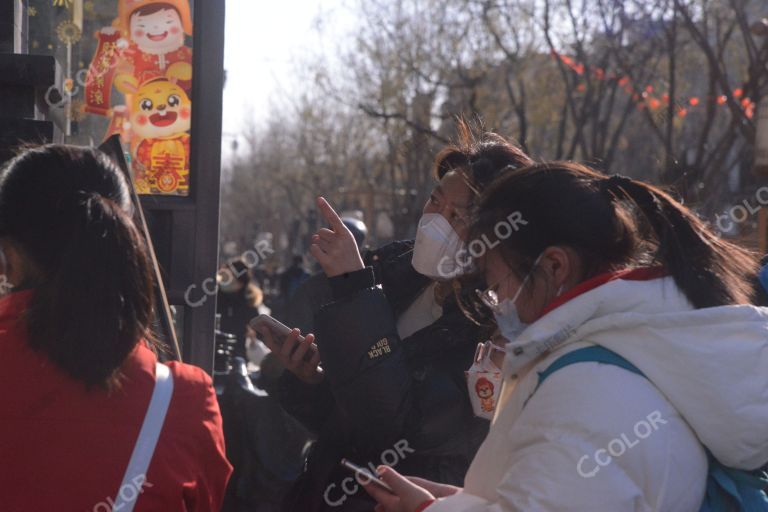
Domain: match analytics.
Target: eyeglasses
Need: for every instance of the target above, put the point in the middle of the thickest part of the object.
(490, 296)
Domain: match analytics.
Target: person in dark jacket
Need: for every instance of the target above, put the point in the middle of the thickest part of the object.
(315, 292)
(265, 445)
(239, 300)
(394, 344)
(292, 277)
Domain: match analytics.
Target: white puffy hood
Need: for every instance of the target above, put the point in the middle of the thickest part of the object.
(711, 364)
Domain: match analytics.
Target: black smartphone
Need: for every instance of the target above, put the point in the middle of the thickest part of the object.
(364, 475)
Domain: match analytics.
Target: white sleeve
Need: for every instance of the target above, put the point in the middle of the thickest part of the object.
(555, 455)
(545, 478)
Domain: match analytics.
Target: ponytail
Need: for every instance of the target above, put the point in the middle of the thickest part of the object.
(68, 210)
(94, 306)
(613, 223)
(710, 271)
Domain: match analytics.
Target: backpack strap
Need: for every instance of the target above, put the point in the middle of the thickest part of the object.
(731, 489)
(727, 489)
(136, 473)
(593, 354)
(763, 277)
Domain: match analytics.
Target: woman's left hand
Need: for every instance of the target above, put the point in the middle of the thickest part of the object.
(406, 498)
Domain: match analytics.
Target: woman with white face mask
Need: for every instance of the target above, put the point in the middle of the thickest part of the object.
(394, 355)
(636, 373)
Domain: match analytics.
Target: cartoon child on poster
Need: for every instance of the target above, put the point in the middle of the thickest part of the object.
(145, 42)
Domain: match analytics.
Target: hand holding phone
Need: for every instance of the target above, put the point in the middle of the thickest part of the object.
(364, 475)
(264, 324)
(401, 494)
(297, 353)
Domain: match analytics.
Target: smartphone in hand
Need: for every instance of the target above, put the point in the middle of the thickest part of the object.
(364, 475)
(279, 332)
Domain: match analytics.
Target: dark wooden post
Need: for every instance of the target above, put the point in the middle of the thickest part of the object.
(207, 91)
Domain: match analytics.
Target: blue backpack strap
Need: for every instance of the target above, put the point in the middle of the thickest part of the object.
(727, 489)
(763, 277)
(592, 354)
(731, 489)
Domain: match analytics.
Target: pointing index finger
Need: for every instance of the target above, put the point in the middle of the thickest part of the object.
(330, 214)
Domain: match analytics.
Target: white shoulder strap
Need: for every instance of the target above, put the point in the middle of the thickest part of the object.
(136, 473)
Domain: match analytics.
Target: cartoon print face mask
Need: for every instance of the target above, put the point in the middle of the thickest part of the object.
(484, 381)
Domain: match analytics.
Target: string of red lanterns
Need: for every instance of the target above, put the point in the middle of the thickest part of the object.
(647, 99)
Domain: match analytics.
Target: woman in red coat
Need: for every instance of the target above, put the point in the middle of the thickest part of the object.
(77, 361)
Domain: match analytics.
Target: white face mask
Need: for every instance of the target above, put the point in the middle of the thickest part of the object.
(437, 251)
(484, 381)
(507, 318)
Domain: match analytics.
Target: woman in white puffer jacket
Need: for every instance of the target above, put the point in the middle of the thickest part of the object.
(618, 268)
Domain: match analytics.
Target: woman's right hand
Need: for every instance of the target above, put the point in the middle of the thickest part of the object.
(437, 490)
(291, 355)
(335, 249)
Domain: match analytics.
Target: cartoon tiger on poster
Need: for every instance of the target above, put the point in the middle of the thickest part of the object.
(160, 114)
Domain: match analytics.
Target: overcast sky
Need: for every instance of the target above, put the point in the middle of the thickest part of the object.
(265, 40)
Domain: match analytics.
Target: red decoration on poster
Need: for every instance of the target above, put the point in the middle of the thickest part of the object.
(101, 72)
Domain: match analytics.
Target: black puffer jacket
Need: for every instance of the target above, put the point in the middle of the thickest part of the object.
(385, 400)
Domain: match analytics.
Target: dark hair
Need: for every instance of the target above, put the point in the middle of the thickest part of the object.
(253, 295)
(68, 210)
(146, 10)
(479, 158)
(614, 223)
(240, 270)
